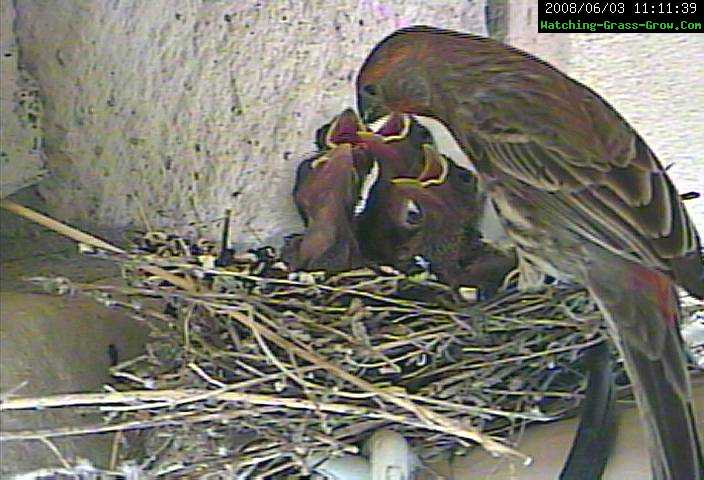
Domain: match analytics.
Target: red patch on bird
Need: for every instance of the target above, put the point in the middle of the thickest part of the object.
(386, 61)
(661, 286)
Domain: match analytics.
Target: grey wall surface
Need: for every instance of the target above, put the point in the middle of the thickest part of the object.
(180, 109)
(21, 161)
(185, 108)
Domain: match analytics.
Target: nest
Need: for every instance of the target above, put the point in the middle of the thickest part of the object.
(255, 371)
(259, 370)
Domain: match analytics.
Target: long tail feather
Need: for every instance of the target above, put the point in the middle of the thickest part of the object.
(669, 419)
(641, 307)
(596, 431)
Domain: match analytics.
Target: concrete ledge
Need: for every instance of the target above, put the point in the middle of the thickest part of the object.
(549, 445)
(58, 345)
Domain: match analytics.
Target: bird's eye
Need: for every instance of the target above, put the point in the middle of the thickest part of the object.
(414, 215)
(371, 90)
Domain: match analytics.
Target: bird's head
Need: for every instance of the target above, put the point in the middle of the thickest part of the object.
(326, 195)
(420, 215)
(395, 140)
(394, 78)
(426, 71)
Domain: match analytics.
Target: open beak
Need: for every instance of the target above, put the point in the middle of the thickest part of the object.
(343, 127)
(388, 128)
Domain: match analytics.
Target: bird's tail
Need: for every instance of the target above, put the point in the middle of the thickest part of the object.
(641, 307)
(597, 425)
(675, 449)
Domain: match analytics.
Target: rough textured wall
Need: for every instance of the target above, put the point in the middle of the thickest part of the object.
(523, 33)
(21, 162)
(189, 107)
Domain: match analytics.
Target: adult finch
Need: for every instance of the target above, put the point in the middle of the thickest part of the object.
(579, 192)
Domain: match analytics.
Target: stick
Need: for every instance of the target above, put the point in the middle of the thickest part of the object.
(178, 418)
(225, 239)
(59, 227)
(82, 237)
(176, 396)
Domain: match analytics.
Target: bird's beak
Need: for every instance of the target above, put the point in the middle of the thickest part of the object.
(370, 117)
(388, 128)
(363, 107)
(370, 109)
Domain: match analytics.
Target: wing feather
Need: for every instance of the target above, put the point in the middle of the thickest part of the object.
(600, 170)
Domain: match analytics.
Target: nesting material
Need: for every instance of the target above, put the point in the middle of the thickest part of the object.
(256, 371)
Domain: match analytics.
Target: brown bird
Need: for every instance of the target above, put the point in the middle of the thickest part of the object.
(434, 215)
(332, 186)
(579, 192)
(353, 218)
(325, 194)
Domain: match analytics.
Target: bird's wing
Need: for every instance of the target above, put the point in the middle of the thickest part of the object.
(565, 140)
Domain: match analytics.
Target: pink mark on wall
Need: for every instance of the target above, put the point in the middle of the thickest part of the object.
(384, 11)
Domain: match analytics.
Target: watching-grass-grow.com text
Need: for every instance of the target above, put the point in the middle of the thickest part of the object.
(607, 26)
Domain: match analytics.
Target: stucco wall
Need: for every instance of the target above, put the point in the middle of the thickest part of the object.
(21, 162)
(189, 107)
